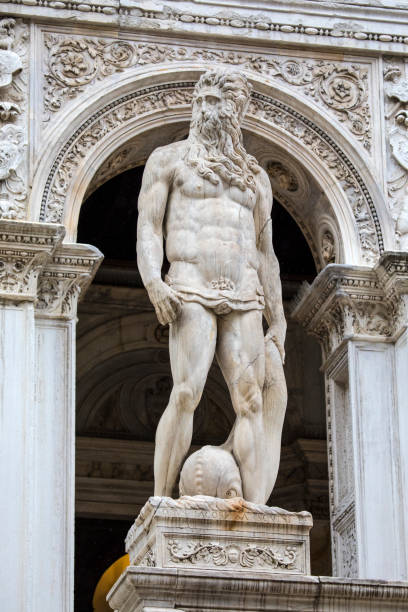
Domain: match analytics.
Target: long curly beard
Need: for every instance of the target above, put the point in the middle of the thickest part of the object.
(216, 150)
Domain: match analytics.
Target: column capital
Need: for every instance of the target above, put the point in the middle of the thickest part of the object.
(24, 250)
(346, 302)
(64, 278)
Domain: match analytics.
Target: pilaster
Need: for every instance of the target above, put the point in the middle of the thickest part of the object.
(40, 282)
(24, 249)
(62, 282)
(360, 317)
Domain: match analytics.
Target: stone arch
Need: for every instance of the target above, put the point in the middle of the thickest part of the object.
(341, 170)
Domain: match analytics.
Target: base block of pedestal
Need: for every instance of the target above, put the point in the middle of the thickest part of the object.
(144, 589)
(206, 533)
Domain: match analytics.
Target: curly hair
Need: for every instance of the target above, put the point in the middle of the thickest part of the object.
(216, 149)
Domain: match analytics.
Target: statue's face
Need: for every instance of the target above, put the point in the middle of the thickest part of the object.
(207, 106)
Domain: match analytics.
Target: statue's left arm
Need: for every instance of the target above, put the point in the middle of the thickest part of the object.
(268, 264)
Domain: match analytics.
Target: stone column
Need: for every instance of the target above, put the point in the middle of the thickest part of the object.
(24, 250)
(40, 281)
(360, 317)
(62, 281)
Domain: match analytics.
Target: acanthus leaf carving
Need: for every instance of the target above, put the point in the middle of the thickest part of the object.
(62, 281)
(148, 559)
(74, 63)
(19, 271)
(350, 304)
(13, 94)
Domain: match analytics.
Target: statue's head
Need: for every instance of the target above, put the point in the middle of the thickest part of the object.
(220, 101)
(223, 92)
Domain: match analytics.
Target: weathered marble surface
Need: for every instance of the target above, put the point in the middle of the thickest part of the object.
(212, 202)
(206, 533)
(147, 589)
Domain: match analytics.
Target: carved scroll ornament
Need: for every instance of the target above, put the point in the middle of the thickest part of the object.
(74, 63)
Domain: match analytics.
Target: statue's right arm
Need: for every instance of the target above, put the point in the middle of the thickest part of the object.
(152, 203)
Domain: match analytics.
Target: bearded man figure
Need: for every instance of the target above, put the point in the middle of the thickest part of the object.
(212, 202)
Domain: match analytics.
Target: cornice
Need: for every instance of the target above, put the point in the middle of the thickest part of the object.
(355, 302)
(24, 249)
(350, 25)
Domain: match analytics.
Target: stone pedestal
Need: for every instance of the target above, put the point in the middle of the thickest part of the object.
(206, 533)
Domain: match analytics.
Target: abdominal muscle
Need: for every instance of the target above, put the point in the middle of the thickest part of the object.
(210, 243)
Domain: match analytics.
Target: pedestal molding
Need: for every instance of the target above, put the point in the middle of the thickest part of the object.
(183, 589)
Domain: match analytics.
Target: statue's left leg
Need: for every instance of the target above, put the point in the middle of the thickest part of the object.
(241, 356)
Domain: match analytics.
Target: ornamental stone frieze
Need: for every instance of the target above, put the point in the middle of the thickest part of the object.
(73, 63)
(13, 118)
(65, 278)
(347, 302)
(349, 28)
(24, 250)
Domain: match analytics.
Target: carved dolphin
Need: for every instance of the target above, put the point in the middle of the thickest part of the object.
(211, 471)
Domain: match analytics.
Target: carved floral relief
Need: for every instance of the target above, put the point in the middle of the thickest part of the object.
(73, 63)
(230, 555)
(396, 90)
(13, 94)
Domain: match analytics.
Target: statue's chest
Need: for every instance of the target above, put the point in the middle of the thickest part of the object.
(189, 184)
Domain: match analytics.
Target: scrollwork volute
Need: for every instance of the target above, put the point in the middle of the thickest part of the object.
(65, 277)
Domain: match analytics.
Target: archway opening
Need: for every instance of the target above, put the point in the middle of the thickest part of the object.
(124, 379)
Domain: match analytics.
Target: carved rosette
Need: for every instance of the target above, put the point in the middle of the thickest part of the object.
(350, 301)
(13, 118)
(65, 278)
(24, 250)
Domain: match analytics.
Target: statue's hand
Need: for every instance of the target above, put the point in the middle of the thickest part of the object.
(276, 334)
(166, 303)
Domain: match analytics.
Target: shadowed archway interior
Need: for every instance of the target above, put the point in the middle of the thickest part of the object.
(122, 397)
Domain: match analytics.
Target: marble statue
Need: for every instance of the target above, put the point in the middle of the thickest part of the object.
(211, 202)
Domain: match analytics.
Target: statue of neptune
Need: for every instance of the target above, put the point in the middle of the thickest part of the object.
(212, 202)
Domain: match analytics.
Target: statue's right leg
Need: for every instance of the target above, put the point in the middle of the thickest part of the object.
(192, 344)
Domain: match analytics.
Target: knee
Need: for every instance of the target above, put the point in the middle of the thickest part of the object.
(184, 398)
(249, 404)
